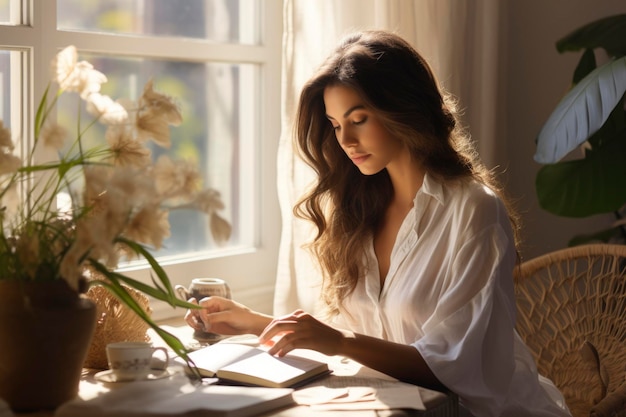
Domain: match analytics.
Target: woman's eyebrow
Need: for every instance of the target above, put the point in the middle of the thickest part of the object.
(350, 110)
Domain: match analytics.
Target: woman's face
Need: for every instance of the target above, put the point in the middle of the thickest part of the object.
(359, 131)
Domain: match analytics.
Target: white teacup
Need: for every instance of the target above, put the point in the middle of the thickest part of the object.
(199, 289)
(132, 360)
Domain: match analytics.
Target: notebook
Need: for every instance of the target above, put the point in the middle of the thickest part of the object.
(235, 363)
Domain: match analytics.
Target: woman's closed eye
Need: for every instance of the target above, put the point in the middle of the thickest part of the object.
(354, 122)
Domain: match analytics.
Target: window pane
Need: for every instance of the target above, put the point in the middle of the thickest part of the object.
(5, 92)
(226, 21)
(12, 63)
(5, 11)
(217, 101)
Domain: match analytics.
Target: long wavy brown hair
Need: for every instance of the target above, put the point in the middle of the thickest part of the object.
(346, 206)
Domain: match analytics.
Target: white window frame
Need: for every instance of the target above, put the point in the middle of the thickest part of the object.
(250, 271)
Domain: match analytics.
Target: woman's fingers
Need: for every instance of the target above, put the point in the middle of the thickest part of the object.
(276, 328)
(192, 316)
(215, 304)
(283, 322)
(299, 330)
(225, 316)
(214, 310)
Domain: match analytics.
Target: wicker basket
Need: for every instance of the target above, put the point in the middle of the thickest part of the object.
(572, 315)
(116, 323)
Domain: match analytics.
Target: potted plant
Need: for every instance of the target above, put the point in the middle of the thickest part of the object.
(51, 252)
(590, 117)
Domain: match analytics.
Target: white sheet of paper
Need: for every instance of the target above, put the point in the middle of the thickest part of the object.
(319, 395)
(400, 396)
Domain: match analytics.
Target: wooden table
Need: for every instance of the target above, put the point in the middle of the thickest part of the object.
(437, 404)
(345, 371)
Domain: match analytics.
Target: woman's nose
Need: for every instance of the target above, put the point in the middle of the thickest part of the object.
(346, 138)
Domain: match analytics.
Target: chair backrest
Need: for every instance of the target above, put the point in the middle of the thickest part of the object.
(572, 315)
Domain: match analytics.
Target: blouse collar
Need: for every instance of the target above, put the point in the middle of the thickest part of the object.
(431, 187)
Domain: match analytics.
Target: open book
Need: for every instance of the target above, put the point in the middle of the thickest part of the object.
(249, 365)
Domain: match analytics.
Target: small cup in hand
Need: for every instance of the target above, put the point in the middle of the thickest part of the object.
(131, 361)
(199, 289)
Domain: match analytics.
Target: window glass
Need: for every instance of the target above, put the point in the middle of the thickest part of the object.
(5, 83)
(5, 11)
(224, 21)
(217, 134)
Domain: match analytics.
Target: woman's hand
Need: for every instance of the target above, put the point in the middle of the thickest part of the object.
(300, 330)
(227, 317)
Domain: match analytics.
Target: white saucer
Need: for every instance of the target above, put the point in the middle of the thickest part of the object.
(108, 376)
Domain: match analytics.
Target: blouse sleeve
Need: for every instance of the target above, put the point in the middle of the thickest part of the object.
(468, 341)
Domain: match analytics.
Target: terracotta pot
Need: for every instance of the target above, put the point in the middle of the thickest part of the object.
(45, 331)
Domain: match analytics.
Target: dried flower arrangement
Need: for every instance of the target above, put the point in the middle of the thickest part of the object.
(117, 198)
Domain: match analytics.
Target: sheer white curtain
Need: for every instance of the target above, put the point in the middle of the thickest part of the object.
(458, 38)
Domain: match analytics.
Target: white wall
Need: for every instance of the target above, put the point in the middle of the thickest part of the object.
(535, 77)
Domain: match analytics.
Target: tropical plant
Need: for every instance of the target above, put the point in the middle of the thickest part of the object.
(117, 197)
(590, 117)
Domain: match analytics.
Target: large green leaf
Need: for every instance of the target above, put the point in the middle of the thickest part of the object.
(582, 111)
(580, 188)
(608, 33)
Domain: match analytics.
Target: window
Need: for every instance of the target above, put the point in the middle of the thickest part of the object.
(221, 60)
(5, 12)
(5, 83)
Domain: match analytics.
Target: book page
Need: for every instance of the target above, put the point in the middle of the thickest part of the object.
(214, 357)
(265, 369)
(253, 365)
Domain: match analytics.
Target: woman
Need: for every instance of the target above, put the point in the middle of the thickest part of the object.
(416, 242)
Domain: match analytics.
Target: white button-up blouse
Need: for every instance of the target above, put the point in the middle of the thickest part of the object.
(449, 293)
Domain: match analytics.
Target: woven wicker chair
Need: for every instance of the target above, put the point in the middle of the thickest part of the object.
(572, 315)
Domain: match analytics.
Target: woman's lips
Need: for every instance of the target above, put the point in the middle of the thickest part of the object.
(358, 159)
